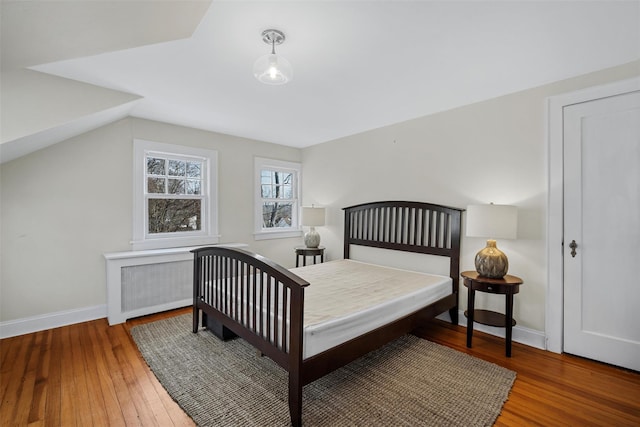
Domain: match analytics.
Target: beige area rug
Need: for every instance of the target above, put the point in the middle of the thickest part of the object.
(410, 382)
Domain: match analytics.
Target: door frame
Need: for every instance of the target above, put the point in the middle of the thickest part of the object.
(554, 314)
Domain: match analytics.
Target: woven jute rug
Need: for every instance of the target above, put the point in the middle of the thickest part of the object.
(409, 382)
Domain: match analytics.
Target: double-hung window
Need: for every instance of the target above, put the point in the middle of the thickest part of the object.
(277, 202)
(175, 201)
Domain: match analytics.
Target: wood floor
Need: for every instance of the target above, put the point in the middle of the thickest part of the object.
(92, 374)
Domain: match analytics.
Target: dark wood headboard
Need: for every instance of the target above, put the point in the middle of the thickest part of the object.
(406, 226)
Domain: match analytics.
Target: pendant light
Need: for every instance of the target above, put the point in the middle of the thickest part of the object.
(273, 69)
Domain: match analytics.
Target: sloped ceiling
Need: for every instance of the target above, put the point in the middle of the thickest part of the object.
(38, 109)
(38, 32)
(358, 65)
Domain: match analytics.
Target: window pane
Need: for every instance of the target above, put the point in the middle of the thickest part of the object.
(287, 192)
(174, 215)
(286, 177)
(267, 191)
(155, 166)
(276, 215)
(193, 186)
(177, 167)
(194, 169)
(155, 185)
(176, 186)
(266, 177)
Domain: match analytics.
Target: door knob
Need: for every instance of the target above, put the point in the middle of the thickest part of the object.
(573, 245)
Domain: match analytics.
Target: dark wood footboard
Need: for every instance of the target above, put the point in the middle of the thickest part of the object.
(253, 298)
(257, 300)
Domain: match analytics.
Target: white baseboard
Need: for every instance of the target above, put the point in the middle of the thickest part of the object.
(520, 334)
(43, 322)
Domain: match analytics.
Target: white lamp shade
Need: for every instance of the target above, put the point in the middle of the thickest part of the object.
(273, 69)
(492, 221)
(313, 217)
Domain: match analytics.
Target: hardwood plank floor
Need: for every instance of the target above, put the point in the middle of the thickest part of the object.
(551, 389)
(92, 374)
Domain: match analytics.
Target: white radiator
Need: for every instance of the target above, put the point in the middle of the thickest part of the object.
(145, 282)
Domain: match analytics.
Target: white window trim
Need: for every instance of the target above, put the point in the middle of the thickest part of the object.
(209, 233)
(259, 232)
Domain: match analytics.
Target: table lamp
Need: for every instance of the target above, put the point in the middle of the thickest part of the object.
(312, 217)
(494, 222)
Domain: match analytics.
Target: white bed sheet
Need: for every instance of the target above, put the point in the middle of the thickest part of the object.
(348, 298)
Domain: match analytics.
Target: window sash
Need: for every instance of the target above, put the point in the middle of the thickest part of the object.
(166, 176)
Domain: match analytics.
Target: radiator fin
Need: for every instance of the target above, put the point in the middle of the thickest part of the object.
(153, 284)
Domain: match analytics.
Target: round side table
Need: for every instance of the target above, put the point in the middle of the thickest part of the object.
(508, 286)
(303, 252)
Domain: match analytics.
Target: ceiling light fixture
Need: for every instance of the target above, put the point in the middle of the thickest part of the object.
(273, 69)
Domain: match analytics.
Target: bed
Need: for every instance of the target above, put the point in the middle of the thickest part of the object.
(239, 293)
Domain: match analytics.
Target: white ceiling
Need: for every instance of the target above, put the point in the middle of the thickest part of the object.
(358, 65)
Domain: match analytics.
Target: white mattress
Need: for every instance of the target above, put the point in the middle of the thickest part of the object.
(348, 298)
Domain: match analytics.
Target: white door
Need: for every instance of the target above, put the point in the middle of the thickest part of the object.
(602, 217)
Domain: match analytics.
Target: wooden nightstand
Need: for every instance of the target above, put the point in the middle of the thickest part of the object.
(508, 286)
(304, 252)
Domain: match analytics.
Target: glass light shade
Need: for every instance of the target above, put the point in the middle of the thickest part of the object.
(273, 69)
